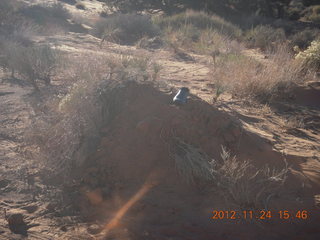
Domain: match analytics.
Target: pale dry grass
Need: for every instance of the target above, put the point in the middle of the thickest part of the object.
(246, 77)
(200, 32)
(192, 165)
(239, 181)
(33, 63)
(248, 186)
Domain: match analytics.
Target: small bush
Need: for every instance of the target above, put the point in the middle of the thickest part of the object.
(9, 54)
(72, 131)
(32, 63)
(126, 28)
(46, 14)
(245, 77)
(248, 187)
(315, 16)
(240, 181)
(264, 37)
(304, 38)
(294, 13)
(199, 20)
(192, 165)
(202, 41)
(311, 56)
(10, 18)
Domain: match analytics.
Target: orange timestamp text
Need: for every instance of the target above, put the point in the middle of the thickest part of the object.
(259, 214)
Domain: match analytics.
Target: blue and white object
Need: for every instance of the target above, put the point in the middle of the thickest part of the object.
(181, 97)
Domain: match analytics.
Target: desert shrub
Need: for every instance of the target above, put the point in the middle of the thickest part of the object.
(304, 38)
(9, 54)
(32, 63)
(311, 56)
(247, 78)
(6, 10)
(72, 130)
(192, 165)
(46, 14)
(126, 28)
(199, 20)
(239, 181)
(247, 186)
(9, 17)
(203, 41)
(294, 13)
(315, 16)
(185, 37)
(264, 37)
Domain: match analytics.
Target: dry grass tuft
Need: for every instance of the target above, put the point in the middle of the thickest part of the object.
(46, 13)
(246, 186)
(199, 20)
(247, 78)
(191, 164)
(33, 63)
(265, 37)
(199, 32)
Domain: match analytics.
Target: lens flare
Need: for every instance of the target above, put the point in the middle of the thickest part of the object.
(124, 209)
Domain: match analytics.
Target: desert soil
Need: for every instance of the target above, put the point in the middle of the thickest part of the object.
(142, 175)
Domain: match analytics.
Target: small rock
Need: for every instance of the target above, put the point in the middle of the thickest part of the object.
(94, 229)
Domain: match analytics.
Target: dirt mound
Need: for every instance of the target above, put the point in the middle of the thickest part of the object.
(132, 185)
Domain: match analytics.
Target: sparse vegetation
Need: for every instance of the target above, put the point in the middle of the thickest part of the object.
(104, 130)
(311, 56)
(265, 37)
(303, 39)
(315, 16)
(199, 32)
(92, 103)
(247, 78)
(47, 14)
(192, 165)
(247, 186)
(199, 21)
(126, 28)
(32, 63)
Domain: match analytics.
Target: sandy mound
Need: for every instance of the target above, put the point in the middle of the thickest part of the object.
(132, 185)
